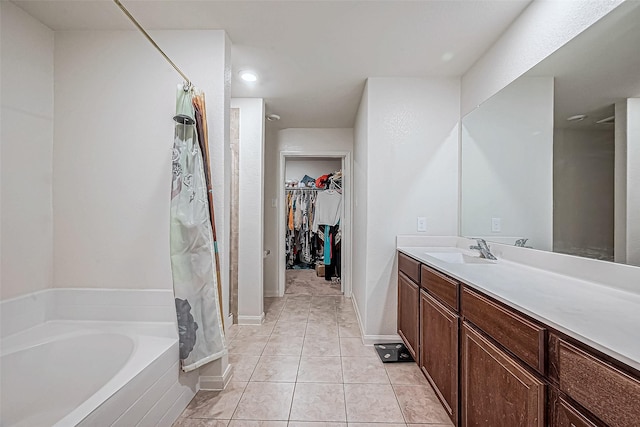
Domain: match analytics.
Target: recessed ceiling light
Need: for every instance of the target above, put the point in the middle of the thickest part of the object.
(577, 118)
(273, 117)
(248, 76)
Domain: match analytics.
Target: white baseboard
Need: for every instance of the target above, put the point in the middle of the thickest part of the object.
(271, 294)
(380, 339)
(228, 322)
(251, 320)
(373, 339)
(214, 383)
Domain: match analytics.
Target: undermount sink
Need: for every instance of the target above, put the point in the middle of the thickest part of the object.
(458, 258)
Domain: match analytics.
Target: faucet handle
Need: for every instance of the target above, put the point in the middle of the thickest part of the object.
(475, 247)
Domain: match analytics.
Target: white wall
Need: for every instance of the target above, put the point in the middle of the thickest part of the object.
(507, 164)
(583, 181)
(633, 181)
(412, 170)
(114, 103)
(271, 187)
(301, 141)
(296, 169)
(360, 197)
(26, 153)
(250, 209)
(620, 183)
(542, 28)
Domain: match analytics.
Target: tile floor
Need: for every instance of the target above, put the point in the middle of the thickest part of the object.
(307, 282)
(305, 367)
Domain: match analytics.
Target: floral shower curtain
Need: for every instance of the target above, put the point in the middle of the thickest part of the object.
(194, 263)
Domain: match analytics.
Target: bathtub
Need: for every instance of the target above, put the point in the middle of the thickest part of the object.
(91, 373)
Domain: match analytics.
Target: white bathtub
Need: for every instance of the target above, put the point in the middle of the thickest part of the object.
(90, 373)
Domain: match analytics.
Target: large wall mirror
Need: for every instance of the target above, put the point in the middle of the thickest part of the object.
(552, 161)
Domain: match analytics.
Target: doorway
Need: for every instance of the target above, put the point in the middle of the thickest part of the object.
(307, 265)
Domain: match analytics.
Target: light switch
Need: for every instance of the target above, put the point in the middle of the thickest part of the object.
(422, 223)
(496, 225)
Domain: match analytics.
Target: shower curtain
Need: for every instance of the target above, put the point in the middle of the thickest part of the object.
(194, 262)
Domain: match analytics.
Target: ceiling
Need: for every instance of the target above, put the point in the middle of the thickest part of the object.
(313, 57)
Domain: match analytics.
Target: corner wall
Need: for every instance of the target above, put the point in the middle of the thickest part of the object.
(250, 208)
(115, 99)
(411, 162)
(26, 153)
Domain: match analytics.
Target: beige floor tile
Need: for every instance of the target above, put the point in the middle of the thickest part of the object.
(276, 369)
(249, 423)
(255, 330)
(318, 346)
(406, 373)
(290, 329)
(318, 402)
(353, 347)
(193, 422)
(349, 330)
(329, 319)
(363, 370)
(322, 329)
(420, 405)
(320, 370)
(243, 366)
(315, 424)
(265, 402)
(379, 425)
(372, 403)
(248, 345)
(284, 346)
(294, 316)
(215, 404)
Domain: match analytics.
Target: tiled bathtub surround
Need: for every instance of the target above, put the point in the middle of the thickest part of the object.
(313, 371)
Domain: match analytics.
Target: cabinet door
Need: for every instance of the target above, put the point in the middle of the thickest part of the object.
(439, 351)
(408, 312)
(496, 390)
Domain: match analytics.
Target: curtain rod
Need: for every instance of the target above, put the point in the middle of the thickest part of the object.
(142, 30)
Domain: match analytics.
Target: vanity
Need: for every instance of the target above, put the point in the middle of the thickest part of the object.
(506, 344)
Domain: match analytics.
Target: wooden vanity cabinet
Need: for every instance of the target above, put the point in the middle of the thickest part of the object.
(409, 313)
(439, 328)
(496, 390)
(494, 366)
(606, 391)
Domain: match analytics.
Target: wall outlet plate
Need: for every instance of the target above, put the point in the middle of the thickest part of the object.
(422, 223)
(496, 225)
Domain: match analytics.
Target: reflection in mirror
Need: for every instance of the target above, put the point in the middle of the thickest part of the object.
(554, 158)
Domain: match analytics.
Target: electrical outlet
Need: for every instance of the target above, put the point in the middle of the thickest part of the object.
(422, 223)
(496, 225)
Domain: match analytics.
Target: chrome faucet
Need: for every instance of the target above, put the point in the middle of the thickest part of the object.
(522, 242)
(483, 248)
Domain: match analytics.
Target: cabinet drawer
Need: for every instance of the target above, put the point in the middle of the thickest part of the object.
(610, 394)
(564, 414)
(444, 288)
(409, 266)
(523, 338)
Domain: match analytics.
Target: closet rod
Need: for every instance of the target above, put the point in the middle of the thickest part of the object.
(188, 83)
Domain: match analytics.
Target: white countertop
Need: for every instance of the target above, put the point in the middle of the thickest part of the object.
(603, 317)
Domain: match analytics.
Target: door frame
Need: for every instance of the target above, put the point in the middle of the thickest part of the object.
(346, 222)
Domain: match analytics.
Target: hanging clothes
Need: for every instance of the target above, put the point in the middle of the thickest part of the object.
(193, 262)
(328, 209)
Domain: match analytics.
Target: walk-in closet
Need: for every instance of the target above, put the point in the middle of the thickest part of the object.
(314, 212)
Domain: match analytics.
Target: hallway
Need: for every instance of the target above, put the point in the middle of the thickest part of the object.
(306, 365)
